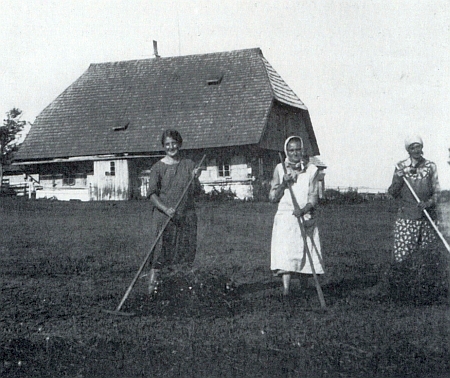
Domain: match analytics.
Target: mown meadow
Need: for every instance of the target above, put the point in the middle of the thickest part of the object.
(63, 263)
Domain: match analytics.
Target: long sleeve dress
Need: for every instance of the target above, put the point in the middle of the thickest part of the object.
(178, 243)
(412, 231)
(288, 253)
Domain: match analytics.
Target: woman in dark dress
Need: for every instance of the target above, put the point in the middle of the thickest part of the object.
(168, 179)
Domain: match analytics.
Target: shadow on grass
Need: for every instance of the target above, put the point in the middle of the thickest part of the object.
(343, 288)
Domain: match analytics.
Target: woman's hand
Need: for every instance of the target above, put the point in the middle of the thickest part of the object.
(170, 212)
(287, 179)
(300, 212)
(400, 172)
(423, 205)
(197, 172)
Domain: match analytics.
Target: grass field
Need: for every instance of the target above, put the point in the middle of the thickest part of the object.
(61, 264)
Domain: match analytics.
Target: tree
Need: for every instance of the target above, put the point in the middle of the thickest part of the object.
(12, 125)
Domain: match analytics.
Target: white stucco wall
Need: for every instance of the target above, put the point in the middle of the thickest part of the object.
(239, 181)
(106, 187)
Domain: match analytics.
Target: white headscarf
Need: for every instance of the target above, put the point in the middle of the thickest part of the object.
(413, 139)
(293, 165)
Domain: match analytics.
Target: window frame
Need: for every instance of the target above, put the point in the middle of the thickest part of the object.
(223, 168)
(112, 169)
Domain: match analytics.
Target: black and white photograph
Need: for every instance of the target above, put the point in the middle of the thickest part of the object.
(236, 188)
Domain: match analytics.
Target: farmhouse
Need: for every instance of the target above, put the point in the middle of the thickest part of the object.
(98, 139)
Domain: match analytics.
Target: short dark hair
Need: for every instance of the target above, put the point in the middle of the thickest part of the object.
(174, 134)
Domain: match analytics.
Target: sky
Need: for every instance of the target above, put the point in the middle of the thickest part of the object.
(370, 72)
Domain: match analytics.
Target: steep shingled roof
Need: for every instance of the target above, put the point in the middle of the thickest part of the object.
(219, 99)
(281, 91)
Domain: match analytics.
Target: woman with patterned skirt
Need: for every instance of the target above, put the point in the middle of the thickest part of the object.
(416, 261)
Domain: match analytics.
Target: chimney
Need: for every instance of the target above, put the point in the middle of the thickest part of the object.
(155, 49)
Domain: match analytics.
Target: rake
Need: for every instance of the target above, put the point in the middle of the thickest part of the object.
(141, 268)
(304, 236)
(416, 197)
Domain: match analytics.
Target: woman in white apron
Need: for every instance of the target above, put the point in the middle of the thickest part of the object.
(288, 250)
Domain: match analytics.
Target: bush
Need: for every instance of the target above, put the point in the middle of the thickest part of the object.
(349, 197)
(7, 192)
(218, 195)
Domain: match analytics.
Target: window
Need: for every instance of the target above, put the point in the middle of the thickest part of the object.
(214, 79)
(68, 180)
(112, 169)
(121, 127)
(78, 179)
(224, 168)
